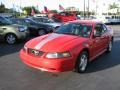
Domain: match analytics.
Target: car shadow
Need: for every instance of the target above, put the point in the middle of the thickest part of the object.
(106, 60)
(6, 49)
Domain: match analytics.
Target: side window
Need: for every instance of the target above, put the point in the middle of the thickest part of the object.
(25, 22)
(98, 29)
(19, 21)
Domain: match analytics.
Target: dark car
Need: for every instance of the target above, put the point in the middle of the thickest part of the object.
(47, 21)
(34, 27)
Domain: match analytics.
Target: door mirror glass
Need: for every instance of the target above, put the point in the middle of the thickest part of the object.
(97, 34)
(98, 30)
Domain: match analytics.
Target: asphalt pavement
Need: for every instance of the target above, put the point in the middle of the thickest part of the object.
(102, 74)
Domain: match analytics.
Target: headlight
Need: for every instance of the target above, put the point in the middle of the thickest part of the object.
(22, 29)
(58, 55)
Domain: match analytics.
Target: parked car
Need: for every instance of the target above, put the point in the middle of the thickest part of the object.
(34, 27)
(47, 21)
(11, 32)
(72, 46)
(64, 17)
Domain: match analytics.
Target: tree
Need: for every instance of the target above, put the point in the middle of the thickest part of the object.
(113, 6)
(2, 8)
(29, 9)
(71, 9)
(54, 11)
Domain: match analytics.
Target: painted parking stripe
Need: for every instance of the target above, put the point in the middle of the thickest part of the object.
(49, 38)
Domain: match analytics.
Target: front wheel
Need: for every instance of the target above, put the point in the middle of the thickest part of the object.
(10, 38)
(41, 32)
(82, 62)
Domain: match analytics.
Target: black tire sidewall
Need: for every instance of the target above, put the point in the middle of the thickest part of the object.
(41, 30)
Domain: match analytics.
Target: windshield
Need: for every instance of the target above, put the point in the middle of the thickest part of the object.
(48, 21)
(30, 21)
(83, 30)
(44, 20)
(37, 20)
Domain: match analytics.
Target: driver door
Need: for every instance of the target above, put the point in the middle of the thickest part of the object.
(98, 39)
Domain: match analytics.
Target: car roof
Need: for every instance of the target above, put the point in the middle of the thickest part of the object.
(41, 17)
(86, 21)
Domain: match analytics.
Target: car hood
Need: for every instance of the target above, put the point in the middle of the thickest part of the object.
(54, 42)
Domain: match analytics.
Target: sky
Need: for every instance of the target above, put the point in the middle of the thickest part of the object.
(54, 4)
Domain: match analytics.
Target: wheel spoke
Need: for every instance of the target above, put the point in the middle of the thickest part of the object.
(10, 39)
(83, 62)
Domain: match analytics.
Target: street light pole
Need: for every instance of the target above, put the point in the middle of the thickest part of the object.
(88, 8)
(96, 8)
(84, 9)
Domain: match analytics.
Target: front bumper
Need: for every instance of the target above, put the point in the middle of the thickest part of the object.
(23, 35)
(49, 65)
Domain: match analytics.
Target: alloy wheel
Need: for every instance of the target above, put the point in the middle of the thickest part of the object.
(10, 38)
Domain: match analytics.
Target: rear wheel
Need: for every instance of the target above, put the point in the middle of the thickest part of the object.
(82, 62)
(41, 32)
(10, 38)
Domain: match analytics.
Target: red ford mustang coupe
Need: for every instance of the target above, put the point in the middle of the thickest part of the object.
(70, 47)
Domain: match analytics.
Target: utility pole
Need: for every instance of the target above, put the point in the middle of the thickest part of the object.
(88, 7)
(96, 8)
(13, 11)
(84, 9)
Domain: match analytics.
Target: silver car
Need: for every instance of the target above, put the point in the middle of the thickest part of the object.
(12, 32)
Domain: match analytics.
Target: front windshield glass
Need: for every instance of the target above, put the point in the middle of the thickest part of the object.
(83, 30)
(44, 20)
(30, 21)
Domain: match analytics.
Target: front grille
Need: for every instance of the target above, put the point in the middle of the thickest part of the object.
(35, 52)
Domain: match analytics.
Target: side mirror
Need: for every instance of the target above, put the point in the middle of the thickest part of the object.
(96, 34)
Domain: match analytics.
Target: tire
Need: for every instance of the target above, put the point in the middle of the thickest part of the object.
(11, 38)
(82, 62)
(109, 48)
(41, 32)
